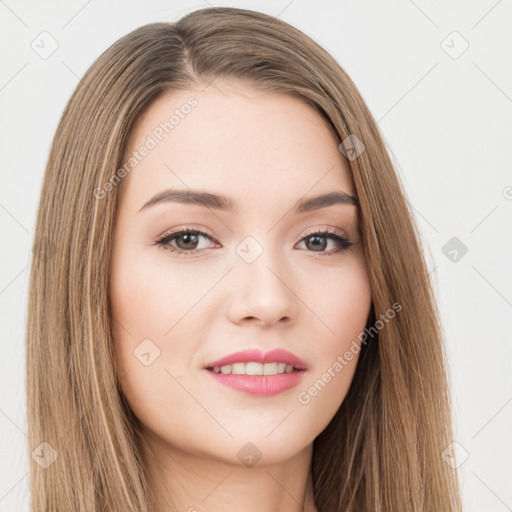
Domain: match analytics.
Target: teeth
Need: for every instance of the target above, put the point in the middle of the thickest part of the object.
(252, 368)
(267, 368)
(238, 369)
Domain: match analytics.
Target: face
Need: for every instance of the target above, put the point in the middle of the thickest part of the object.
(261, 275)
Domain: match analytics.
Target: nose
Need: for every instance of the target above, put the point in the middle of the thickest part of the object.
(263, 291)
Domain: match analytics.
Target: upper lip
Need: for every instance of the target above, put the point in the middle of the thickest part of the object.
(278, 355)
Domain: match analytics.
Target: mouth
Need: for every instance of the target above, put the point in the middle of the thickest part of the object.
(256, 373)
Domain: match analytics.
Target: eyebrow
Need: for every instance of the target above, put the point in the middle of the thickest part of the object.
(224, 203)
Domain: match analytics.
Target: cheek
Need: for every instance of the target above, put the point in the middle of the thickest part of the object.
(147, 299)
(151, 366)
(155, 325)
(344, 308)
(141, 315)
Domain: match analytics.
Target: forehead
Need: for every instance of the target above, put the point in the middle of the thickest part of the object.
(234, 140)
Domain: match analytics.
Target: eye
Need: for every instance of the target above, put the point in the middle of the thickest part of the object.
(185, 242)
(318, 241)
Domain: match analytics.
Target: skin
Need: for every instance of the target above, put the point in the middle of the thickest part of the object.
(265, 151)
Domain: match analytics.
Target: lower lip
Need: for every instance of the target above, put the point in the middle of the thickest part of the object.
(261, 385)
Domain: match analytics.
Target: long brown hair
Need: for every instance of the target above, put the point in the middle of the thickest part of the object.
(382, 451)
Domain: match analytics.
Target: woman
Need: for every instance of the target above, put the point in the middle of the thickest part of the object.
(229, 306)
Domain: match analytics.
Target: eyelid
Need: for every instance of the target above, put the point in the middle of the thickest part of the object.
(185, 228)
(204, 231)
(330, 229)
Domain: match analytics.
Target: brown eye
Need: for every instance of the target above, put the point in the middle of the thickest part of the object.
(318, 242)
(189, 241)
(184, 242)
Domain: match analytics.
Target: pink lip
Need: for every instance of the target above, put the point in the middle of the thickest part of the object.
(262, 385)
(277, 355)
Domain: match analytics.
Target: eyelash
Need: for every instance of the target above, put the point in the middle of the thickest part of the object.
(163, 242)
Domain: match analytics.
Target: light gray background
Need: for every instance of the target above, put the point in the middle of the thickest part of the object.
(448, 125)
